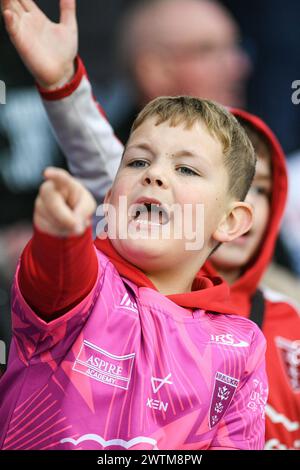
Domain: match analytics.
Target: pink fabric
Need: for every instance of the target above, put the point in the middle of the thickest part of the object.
(128, 368)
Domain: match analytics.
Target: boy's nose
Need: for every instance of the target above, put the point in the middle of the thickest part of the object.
(155, 179)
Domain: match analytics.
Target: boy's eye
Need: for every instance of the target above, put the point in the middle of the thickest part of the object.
(184, 170)
(260, 191)
(137, 164)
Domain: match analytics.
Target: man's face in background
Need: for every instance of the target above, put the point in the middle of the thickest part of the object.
(195, 52)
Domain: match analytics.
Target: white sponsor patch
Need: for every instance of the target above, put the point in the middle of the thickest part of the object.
(103, 366)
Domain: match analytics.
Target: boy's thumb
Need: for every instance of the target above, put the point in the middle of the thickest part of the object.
(83, 212)
(68, 12)
(85, 208)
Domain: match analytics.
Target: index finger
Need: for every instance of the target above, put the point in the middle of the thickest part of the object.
(13, 6)
(61, 178)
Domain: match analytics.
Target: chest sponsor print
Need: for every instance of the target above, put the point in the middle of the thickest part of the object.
(103, 366)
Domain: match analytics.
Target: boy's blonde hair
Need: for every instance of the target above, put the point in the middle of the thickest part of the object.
(239, 155)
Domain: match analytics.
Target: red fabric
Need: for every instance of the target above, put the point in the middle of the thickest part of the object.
(57, 273)
(244, 288)
(281, 325)
(208, 293)
(69, 88)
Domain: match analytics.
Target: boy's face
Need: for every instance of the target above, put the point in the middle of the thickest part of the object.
(168, 166)
(236, 254)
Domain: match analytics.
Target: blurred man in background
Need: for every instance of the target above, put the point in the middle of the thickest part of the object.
(172, 47)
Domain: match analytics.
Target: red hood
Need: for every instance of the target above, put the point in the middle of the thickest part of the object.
(243, 289)
(210, 293)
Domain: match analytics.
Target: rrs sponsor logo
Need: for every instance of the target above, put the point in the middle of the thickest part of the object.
(228, 340)
(290, 355)
(103, 366)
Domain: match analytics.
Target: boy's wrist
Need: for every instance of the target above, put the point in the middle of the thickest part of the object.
(53, 234)
(68, 88)
(67, 78)
(50, 239)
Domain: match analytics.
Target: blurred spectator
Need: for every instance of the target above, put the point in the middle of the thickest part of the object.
(171, 47)
(272, 33)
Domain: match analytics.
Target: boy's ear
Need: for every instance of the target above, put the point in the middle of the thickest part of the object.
(237, 222)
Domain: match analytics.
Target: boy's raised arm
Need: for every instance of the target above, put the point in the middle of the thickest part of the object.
(49, 50)
(59, 265)
(88, 141)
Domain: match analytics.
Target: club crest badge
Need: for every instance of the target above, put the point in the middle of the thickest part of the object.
(224, 390)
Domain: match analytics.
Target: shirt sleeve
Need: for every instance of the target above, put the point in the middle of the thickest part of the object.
(243, 425)
(81, 128)
(56, 274)
(46, 338)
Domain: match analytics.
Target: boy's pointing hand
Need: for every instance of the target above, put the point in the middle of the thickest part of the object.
(63, 206)
(47, 49)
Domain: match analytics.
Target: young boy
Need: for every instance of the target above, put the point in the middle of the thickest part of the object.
(242, 263)
(83, 130)
(121, 346)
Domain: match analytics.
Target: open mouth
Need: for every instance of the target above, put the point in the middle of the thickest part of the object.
(150, 212)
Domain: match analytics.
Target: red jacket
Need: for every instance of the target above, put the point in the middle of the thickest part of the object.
(281, 323)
